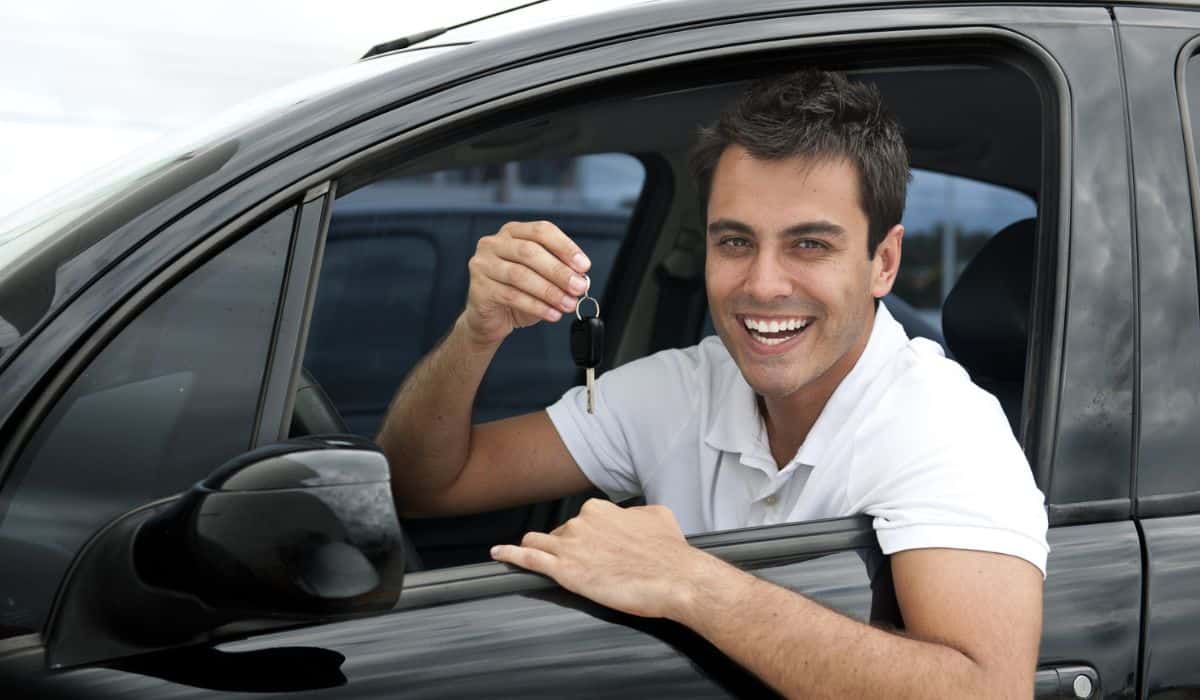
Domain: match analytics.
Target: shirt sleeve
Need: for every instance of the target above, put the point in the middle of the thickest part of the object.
(952, 477)
(638, 405)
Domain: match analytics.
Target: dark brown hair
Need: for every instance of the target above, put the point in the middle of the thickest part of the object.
(816, 114)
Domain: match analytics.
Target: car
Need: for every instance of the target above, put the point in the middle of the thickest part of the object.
(196, 348)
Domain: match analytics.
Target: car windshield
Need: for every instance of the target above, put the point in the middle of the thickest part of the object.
(39, 223)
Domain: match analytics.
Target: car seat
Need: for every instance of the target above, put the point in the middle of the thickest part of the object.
(986, 316)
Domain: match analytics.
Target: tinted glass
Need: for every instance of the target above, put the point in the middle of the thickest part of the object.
(171, 398)
(394, 275)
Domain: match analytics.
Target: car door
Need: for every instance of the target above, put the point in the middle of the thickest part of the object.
(488, 629)
(1159, 49)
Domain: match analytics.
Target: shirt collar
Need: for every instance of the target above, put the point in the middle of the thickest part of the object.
(735, 424)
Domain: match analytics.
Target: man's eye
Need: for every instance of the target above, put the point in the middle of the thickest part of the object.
(811, 243)
(734, 242)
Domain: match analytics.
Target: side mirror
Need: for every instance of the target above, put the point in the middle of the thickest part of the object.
(300, 530)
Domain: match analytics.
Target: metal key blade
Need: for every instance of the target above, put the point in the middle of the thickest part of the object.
(591, 389)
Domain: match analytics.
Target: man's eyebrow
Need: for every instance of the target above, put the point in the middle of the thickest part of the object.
(810, 227)
(729, 226)
(806, 228)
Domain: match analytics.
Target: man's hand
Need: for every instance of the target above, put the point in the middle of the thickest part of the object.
(973, 618)
(635, 560)
(524, 273)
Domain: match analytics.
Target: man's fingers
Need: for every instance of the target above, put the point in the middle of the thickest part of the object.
(518, 300)
(553, 239)
(542, 541)
(537, 258)
(530, 282)
(529, 558)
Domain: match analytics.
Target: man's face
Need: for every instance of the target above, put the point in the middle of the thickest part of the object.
(791, 287)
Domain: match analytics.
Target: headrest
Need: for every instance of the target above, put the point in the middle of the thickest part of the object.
(986, 316)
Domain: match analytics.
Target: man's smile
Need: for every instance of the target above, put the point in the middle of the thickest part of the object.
(772, 335)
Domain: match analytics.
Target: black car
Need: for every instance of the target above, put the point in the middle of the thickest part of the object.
(196, 349)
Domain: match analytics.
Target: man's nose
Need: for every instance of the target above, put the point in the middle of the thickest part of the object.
(768, 279)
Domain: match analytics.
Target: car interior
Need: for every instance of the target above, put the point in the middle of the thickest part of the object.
(980, 122)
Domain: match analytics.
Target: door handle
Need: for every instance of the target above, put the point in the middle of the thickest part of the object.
(1081, 682)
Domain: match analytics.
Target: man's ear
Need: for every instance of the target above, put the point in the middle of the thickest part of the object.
(886, 262)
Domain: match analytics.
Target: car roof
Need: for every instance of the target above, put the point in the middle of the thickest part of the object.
(548, 14)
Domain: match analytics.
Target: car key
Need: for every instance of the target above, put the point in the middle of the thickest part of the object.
(587, 343)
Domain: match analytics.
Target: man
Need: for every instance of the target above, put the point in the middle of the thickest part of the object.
(812, 404)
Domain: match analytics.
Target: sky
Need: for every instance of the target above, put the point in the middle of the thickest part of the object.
(83, 83)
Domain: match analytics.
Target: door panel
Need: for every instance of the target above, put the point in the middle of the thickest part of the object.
(549, 643)
(1159, 48)
(1092, 603)
(1172, 607)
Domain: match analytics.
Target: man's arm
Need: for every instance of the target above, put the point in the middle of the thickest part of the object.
(440, 463)
(973, 619)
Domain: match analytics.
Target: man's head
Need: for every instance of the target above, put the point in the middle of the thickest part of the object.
(804, 178)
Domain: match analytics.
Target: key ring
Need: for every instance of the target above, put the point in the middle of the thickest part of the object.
(579, 304)
(584, 298)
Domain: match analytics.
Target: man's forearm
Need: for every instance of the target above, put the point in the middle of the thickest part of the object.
(806, 650)
(426, 433)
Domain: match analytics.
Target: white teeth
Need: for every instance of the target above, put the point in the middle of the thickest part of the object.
(757, 328)
(790, 324)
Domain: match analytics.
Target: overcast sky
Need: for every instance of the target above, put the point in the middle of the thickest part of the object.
(83, 83)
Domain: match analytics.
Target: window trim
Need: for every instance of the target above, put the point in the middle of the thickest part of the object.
(747, 548)
(1189, 51)
(284, 358)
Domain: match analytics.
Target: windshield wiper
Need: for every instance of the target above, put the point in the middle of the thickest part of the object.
(406, 41)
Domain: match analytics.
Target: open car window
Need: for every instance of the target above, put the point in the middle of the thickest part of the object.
(394, 273)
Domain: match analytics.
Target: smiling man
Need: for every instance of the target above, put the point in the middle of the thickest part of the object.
(812, 403)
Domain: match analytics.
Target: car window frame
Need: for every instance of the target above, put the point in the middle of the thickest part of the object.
(430, 136)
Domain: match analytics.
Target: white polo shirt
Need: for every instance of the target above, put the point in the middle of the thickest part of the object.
(906, 438)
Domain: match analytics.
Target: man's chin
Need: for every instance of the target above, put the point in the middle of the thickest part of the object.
(770, 385)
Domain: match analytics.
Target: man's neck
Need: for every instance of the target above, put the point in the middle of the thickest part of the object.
(789, 419)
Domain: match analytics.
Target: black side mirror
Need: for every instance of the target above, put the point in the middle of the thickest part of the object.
(301, 530)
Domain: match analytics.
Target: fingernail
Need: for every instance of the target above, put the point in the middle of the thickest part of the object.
(553, 315)
(577, 284)
(495, 551)
(581, 261)
(568, 303)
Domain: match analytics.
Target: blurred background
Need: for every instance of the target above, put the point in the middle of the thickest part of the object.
(82, 83)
